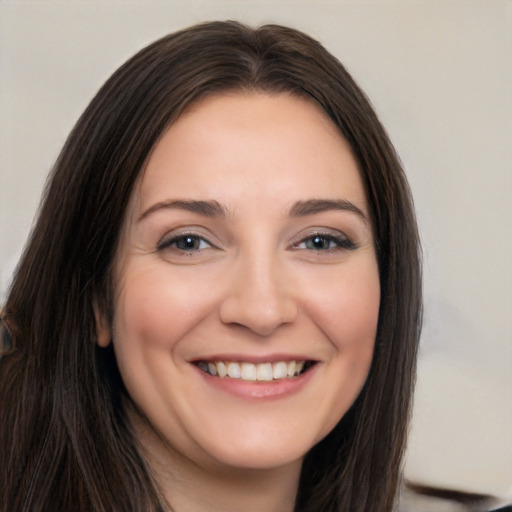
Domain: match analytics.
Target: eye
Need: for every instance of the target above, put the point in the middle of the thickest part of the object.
(325, 242)
(186, 242)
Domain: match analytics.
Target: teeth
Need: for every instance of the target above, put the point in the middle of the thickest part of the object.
(248, 371)
(212, 369)
(221, 369)
(263, 372)
(234, 370)
(279, 370)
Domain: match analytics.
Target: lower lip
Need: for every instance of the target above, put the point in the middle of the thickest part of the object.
(268, 390)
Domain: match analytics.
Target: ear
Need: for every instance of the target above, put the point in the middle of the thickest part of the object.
(103, 330)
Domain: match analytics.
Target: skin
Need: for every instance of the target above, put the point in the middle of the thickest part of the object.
(255, 284)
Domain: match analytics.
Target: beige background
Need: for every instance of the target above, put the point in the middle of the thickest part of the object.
(440, 75)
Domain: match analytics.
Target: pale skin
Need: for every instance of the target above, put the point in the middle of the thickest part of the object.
(248, 239)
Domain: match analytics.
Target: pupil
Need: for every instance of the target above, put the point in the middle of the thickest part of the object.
(319, 242)
(189, 243)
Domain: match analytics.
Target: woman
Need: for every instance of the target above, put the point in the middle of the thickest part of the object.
(219, 305)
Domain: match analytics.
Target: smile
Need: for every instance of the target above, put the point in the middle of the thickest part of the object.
(261, 372)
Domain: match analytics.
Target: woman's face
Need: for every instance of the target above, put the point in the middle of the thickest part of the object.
(247, 250)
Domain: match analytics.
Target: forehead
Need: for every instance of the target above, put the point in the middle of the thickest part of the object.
(249, 142)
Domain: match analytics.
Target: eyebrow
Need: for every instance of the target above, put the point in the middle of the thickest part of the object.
(205, 208)
(213, 209)
(312, 206)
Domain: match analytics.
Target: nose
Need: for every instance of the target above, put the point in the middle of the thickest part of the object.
(259, 297)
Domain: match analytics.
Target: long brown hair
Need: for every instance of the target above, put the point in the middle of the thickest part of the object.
(65, 442)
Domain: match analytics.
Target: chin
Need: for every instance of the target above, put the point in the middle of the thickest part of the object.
(264, 452)
(261, 459)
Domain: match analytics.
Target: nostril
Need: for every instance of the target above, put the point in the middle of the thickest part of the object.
(260, 316)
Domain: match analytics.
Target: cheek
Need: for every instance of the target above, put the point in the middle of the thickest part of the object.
(347, 312)
(348, 315)
(154, 312)
(348, 309)
(156, 309)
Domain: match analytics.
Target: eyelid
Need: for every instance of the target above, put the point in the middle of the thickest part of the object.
(343, 242)
(169, 238)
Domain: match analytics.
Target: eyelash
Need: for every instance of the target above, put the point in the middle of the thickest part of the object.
(340, 242)
(167, 243)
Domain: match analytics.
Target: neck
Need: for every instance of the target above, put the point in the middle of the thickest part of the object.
(188, 486)
(239, 490)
